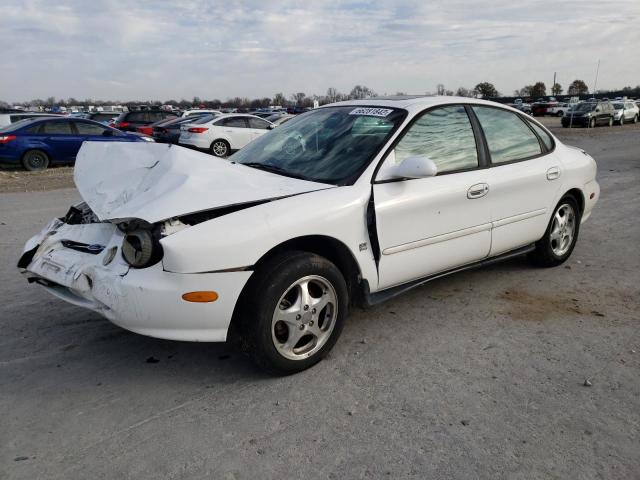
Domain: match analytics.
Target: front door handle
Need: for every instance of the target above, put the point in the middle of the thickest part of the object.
(478, 190)
(553, 173)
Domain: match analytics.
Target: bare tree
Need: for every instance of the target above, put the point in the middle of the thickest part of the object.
(360, 91)
(332, 95)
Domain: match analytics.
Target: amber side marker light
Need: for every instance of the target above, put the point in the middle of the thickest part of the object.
(200, 297)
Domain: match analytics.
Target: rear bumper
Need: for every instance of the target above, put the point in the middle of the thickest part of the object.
(146, 301)
(194, 142)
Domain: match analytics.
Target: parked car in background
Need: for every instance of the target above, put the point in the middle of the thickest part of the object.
(224, 134)
(589, 114)
(523, 107)
(105, 118)
(200, 111)
(280, 118)
(37, 143)
(625, 111)
(9, 118)
(130, 121)
(558, 109)
(540, 109)
(168, 131)
(353, 203)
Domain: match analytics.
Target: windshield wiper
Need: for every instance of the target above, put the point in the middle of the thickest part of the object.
(275, 169)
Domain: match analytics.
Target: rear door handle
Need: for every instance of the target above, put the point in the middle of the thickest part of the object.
(553, 173)
(478, 190)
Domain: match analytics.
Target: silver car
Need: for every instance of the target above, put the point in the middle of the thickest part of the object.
(625, 111)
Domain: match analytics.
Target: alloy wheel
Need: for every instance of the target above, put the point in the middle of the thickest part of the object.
(220, 149)
(563, 229)
(304, 318)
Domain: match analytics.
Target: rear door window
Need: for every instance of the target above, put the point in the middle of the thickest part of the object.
(89, 128)
(235, 122)
(57, 128)
(258, 123)
(136, 117)
(508, 137)
(546, 138)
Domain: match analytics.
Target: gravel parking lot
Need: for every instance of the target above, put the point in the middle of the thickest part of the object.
(505, 372)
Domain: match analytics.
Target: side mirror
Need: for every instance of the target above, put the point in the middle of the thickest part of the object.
(415, 167)
(271, 126)
(107, 133)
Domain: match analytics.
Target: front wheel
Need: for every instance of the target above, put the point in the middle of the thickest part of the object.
(635, 119)
(592, 123)
(621, 120)
(611, 122)
(561, 235)
(292, 312)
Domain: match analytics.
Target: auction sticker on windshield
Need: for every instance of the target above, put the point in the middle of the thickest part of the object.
(374, 112)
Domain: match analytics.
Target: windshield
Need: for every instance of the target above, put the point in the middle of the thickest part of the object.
(328, 145)
(584, 107)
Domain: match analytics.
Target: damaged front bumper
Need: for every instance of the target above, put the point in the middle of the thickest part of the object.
(82, 264)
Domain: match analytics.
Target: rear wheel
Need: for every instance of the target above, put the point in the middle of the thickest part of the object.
(292, 312)
(220, 148)
(611, 122)
(592, 123)
(635, 119)
(35, 160)
(561, 235)
(621, 119)
(559, 113)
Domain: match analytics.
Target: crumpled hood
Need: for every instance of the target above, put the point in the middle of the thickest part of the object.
(155, 181)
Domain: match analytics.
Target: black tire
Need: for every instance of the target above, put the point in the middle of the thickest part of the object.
(611, 122)
(220, 148)
(592, 123)
(622, 119)
(254, 316)
(544, 255)
(635, 119)
(560, 113)
(35, 160)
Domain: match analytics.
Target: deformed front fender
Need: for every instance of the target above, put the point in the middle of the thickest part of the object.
(240, 239)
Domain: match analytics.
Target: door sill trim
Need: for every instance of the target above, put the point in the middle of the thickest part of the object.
(371, 299)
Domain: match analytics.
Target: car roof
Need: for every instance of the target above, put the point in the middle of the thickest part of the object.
(417, 102)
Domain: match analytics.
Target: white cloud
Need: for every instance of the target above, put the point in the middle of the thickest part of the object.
(121, 49)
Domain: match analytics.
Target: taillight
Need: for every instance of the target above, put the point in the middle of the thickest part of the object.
(6, 139)
(122, 124)
(198, 130)
(145, 130)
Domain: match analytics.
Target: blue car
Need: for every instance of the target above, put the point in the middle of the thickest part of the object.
(37, 143)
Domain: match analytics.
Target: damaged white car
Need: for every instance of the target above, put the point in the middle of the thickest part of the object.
(348, 204)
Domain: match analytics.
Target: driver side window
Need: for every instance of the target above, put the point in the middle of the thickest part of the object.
(445, 136)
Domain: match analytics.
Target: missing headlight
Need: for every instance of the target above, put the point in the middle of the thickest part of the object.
(141, 248)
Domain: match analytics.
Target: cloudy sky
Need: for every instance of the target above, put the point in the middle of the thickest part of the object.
(176, 49)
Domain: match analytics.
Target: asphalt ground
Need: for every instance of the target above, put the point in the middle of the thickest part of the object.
(480, 375)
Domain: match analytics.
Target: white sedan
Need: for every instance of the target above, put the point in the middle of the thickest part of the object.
(224, 133)
(349, 204)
